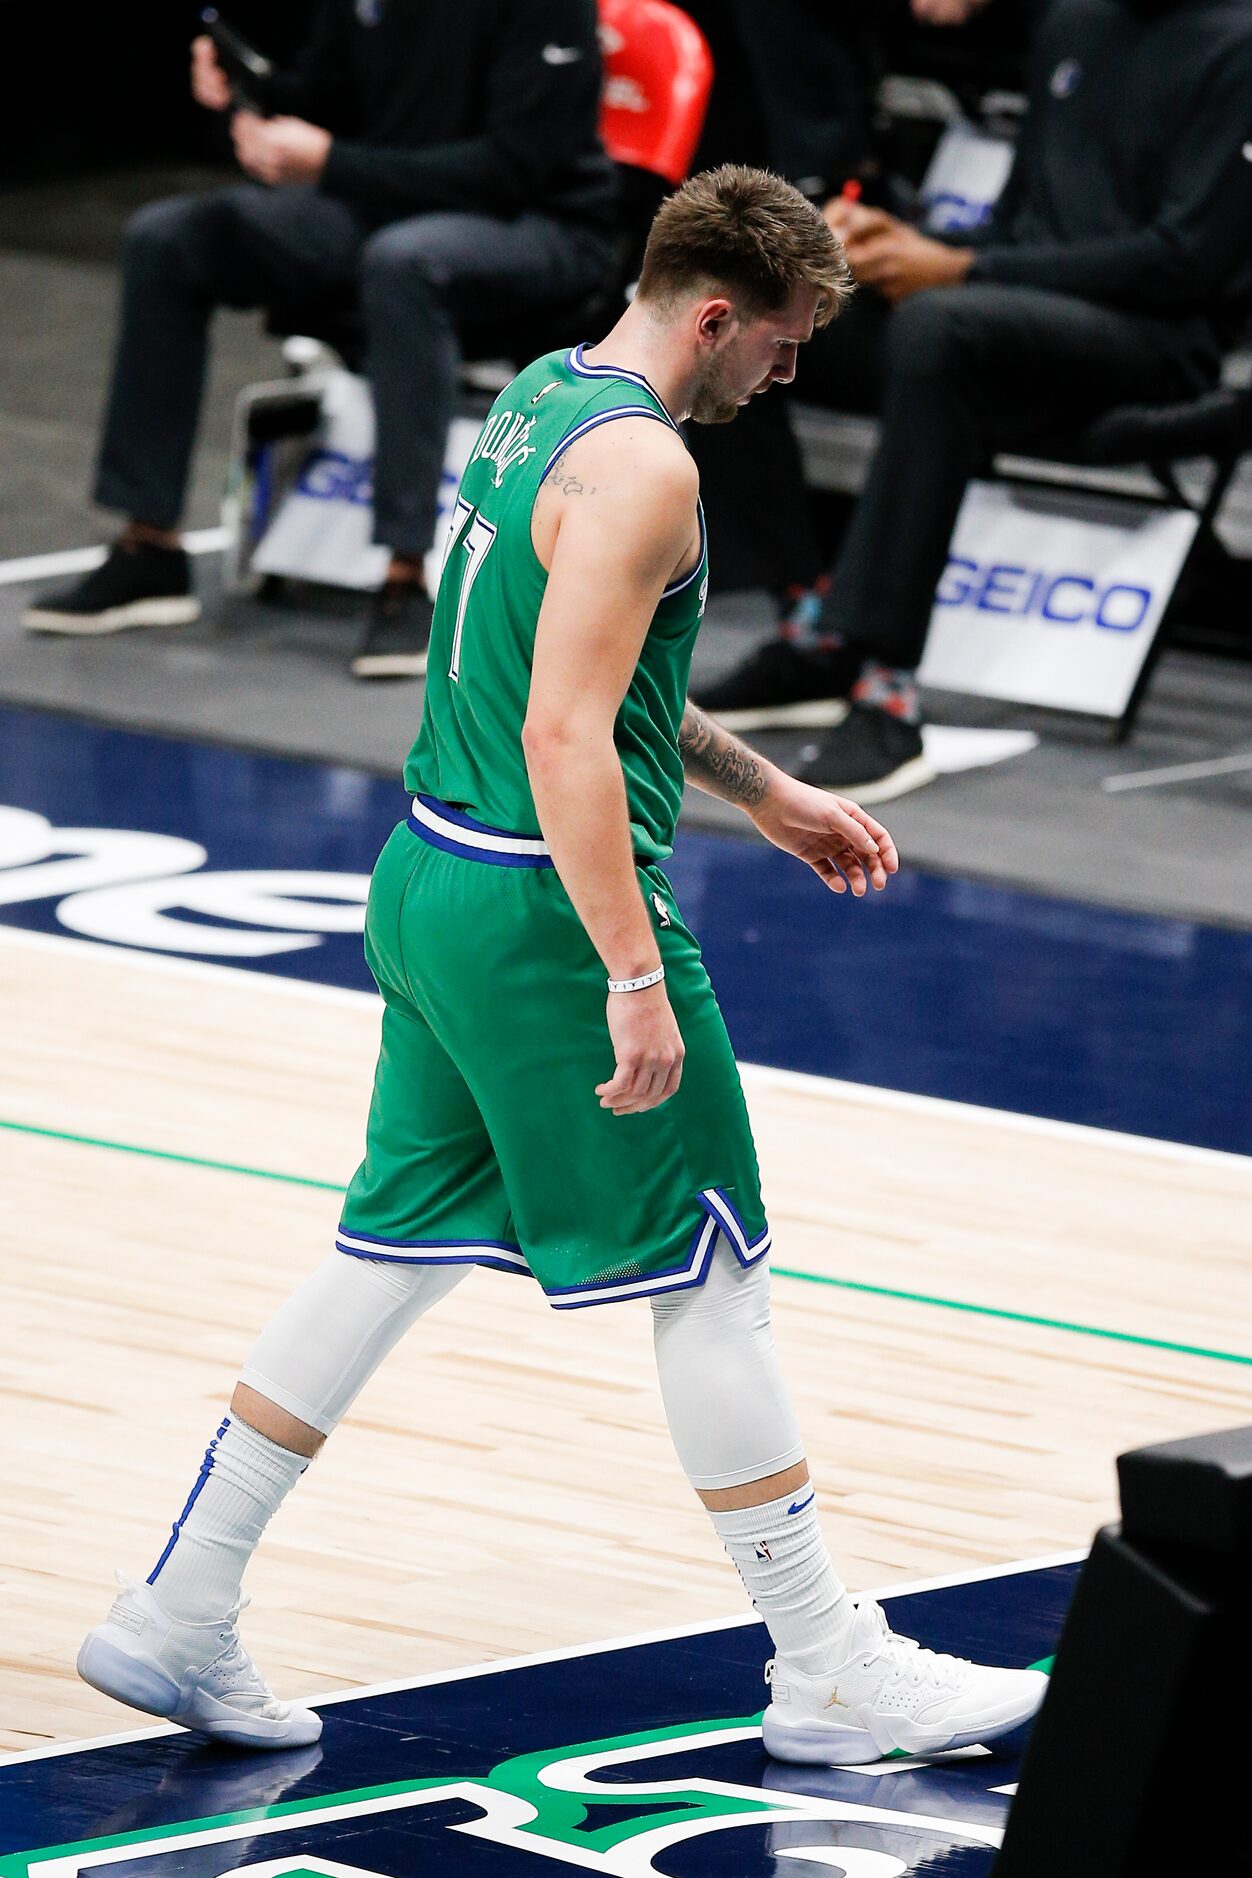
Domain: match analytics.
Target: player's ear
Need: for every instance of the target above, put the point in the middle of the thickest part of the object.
(714, 319)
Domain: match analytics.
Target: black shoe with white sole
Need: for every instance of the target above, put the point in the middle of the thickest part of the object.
(139, 584)
(398, 636)
(783, 684)
(871, 756)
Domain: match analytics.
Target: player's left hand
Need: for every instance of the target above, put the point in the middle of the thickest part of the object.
(843, 844)
(279, 149)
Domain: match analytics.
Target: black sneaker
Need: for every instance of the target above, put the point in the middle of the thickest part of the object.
(140, 584)
(782, 684)
(398, 636)
(871, 757)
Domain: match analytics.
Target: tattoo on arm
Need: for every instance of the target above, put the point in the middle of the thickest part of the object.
(568, 484)
(716, 761)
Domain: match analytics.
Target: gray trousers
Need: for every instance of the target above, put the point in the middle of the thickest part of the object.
(419, 283)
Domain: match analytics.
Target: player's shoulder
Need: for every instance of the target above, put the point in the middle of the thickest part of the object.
(640, 444)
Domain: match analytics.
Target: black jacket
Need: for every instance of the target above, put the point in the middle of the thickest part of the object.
(1132, 185)
(481, 105)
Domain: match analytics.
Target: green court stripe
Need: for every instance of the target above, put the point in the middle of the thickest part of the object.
(1012, 1317)
(164, 1154)
(779, 1271)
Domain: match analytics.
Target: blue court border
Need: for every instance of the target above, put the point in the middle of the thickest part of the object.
(947, 987)
(680, 1706)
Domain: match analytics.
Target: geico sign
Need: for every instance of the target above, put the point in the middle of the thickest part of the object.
(333, 476)
(1062, 599)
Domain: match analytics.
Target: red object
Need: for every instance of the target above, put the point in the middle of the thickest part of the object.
(851, 191)
(658, 72)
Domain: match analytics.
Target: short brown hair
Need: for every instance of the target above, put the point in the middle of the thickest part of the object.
(747, 230)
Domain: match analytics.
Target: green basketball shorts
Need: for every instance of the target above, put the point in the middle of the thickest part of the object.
(486, 1141)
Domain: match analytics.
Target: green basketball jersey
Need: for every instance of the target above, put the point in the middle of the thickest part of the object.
(469, 748)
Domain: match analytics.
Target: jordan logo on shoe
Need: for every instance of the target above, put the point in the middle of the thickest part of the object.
(832, 1701)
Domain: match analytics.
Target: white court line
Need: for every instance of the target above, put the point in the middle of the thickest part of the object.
(82, 560)
(567, 1652)
(763, 1075)
(202, 969)
(869, 1095)
(1177, 772)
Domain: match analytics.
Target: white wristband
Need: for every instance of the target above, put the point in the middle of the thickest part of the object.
(638, 984)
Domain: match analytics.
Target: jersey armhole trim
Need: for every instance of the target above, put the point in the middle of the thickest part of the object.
(601, 417)
(608, 417)
(685, 580)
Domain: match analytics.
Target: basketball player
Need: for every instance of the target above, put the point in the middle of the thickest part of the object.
(527, 1114)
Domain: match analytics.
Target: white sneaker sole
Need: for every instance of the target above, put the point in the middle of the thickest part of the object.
(818, 714)
(390, 665)
(109, 1663)
(833, 1744)
(114, 619)
(914, 774)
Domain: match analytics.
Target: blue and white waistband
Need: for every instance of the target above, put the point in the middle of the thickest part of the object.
(457, 833)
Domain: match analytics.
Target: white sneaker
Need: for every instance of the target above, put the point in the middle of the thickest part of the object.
(891, 1694)
(198, 1675)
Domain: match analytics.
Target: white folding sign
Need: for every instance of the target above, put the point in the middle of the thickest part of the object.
(966, 174)
(1052, 600)
(323, 527)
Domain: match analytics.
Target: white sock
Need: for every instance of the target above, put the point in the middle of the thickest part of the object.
(779, 1552)
(243, 1481)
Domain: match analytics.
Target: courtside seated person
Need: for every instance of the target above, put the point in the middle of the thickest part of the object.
(1117, 269)
(429, 170)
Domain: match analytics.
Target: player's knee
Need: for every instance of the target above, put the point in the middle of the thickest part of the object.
(733, 1300)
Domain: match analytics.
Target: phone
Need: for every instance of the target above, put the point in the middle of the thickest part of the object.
(245, 67)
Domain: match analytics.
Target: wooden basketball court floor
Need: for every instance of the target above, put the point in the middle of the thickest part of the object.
(976, 1310)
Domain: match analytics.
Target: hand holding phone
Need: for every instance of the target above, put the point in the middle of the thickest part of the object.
(210, 86)
(226, 72)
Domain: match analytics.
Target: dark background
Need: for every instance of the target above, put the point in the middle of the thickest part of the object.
(92, 85)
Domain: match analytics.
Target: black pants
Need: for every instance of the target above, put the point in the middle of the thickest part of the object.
(954, 375)
(419, 282)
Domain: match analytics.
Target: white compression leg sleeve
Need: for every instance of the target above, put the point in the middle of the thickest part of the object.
(724, 1397)
(732, 1425)
(322, 1346)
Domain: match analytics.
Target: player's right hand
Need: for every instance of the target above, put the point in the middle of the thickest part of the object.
(209, 83)
(648, 1048)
